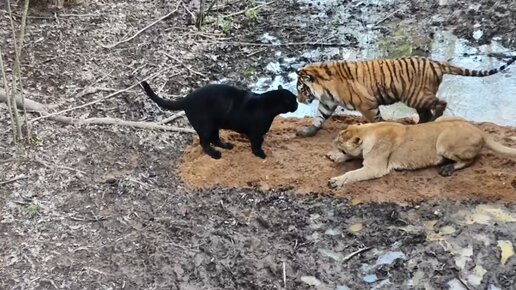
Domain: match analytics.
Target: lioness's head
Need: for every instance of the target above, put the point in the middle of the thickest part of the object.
(349, 142)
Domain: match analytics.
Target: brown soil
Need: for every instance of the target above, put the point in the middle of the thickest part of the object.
(300, 164)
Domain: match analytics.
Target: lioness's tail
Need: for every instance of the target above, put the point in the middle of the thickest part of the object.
(454, 70)
(166, 104)
(499, 148)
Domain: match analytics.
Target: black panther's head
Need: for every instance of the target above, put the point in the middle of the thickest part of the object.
(288, 100)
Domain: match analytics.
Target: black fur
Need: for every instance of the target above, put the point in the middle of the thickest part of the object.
(214, 107)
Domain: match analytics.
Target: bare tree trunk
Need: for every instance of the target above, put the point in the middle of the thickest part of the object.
(200, 16)
(9, 105)
(17, 80)
(13, 84)
(17, 66)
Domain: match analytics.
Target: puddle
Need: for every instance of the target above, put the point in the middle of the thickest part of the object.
(487, 99)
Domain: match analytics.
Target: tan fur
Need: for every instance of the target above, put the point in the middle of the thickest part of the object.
(386, 146)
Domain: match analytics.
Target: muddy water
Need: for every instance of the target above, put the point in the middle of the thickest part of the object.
(487, 99)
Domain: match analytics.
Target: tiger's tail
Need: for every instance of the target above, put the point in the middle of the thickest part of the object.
(453, 70)
(166, 104)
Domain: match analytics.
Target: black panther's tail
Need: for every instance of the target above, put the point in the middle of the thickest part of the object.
(166, 104)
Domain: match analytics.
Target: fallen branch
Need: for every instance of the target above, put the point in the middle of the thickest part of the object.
(41, 109)
(135, 124)
(307, 43)
(12, 180)
(143, 29)
(284, 276)
(172, 118)
(359, 251)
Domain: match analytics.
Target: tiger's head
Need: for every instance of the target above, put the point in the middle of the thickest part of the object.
(305, 82)
(349, 141)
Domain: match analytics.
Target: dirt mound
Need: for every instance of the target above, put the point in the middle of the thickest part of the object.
(300, 164)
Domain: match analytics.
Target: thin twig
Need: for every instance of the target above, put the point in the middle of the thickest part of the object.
(183, 64)
(284, 276)
(386, 17)
(49, 115)
(89, 89)
(143, 29)
(359, 251)
(189, 12)
(91, 220)
(464, 283)
(12, 180)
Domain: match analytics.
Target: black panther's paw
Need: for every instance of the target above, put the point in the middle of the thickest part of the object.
(309, 131)
(446, 170)
(215, 154)
(259, 153)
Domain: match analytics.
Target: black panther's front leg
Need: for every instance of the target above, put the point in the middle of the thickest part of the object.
(256, 145)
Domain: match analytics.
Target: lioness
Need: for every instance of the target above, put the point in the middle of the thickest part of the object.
(385, 146)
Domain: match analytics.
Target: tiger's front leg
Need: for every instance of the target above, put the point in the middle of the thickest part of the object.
(324, 111)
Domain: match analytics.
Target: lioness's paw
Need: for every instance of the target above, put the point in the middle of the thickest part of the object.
(336, 156)
(335, 183)
(446, 170)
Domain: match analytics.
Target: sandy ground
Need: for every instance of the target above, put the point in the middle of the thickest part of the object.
(300, 164)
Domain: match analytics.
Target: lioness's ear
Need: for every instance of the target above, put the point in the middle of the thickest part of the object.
(357, 141)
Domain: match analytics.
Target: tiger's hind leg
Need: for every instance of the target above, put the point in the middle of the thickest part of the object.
(425, 104)
(371, 112)
(425, 115)
(438, 108)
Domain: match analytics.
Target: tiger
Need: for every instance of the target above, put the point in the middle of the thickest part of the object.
(365, 85)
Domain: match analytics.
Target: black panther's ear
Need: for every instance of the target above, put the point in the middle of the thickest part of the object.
(280, 87)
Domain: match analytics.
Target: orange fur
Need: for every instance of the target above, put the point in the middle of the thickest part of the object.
(365, 85)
